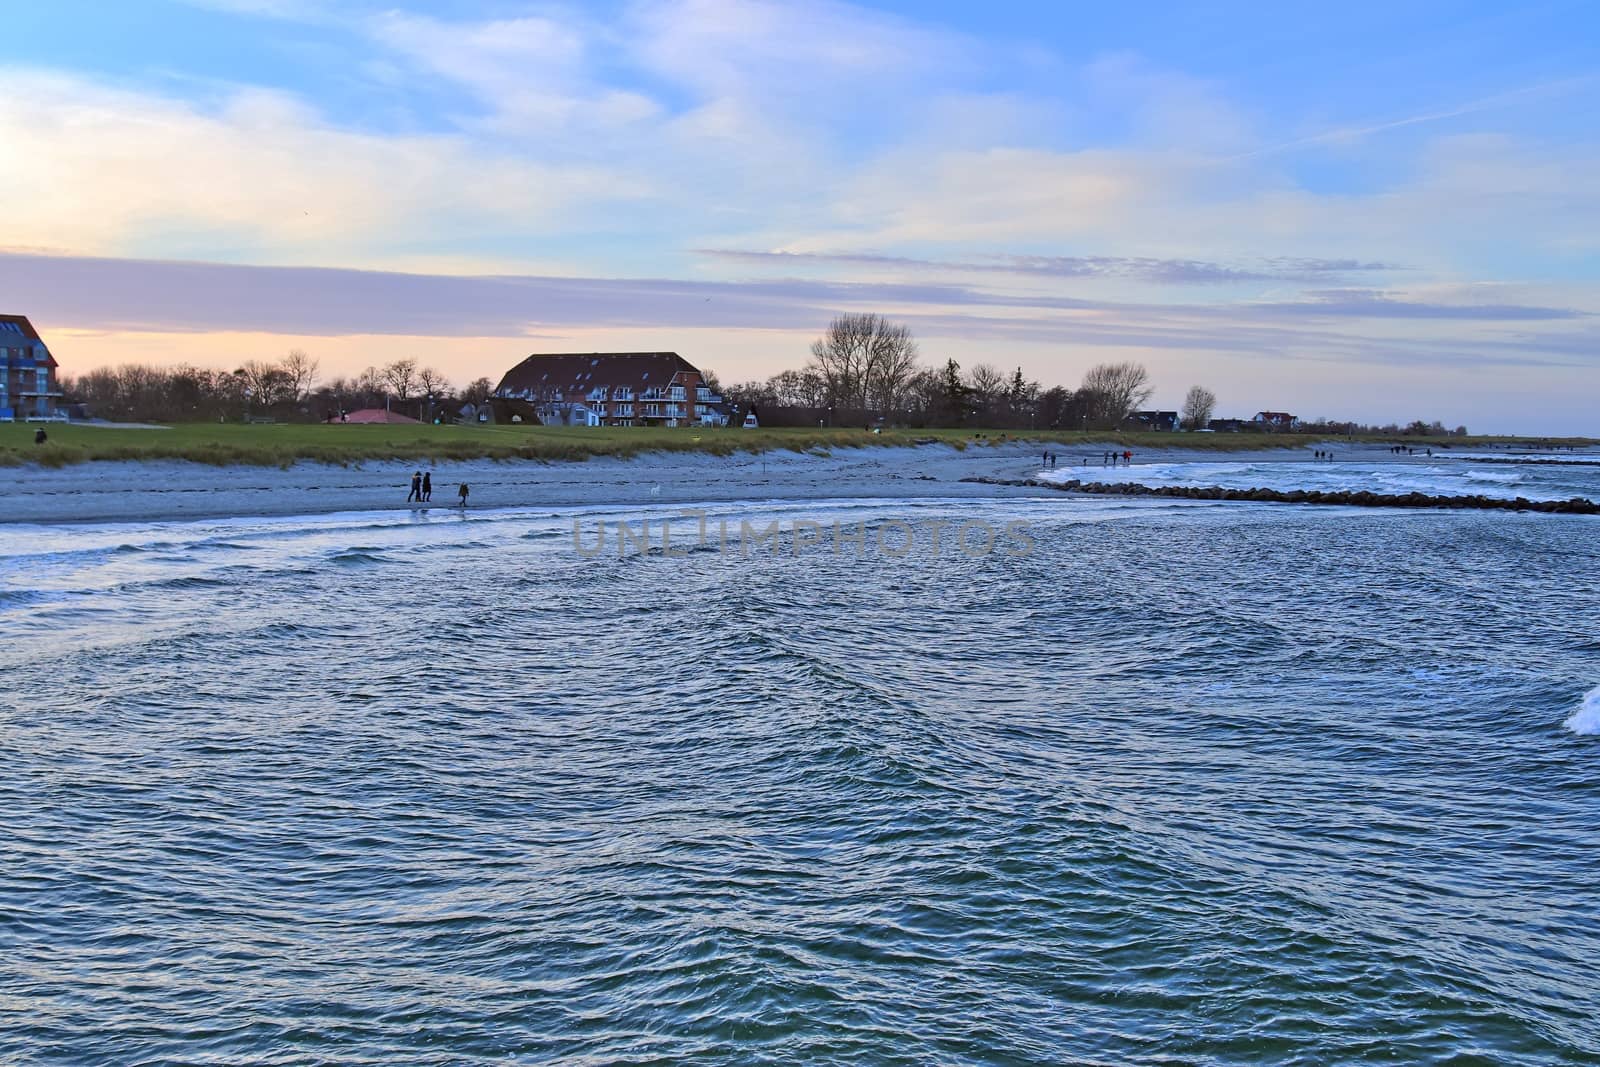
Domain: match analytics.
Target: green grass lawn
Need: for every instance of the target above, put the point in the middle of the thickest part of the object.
(280, 444)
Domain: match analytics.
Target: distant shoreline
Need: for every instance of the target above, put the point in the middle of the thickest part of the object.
(151, 490)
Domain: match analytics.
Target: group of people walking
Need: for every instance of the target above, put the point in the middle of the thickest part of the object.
(422, 489)
(1107, 459)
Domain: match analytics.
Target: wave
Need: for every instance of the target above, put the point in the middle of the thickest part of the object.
(1586, 720)
(1432, 479)
(358, 557)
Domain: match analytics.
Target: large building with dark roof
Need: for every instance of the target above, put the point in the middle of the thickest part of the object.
(608, 389)
(28, 388)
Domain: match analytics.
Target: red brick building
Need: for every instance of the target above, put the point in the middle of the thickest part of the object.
(28, 387)
(608, 389)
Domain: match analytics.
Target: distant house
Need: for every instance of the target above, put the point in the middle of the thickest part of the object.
(28, 387)
(368, 416)
(1165, 421)
(1227, 425)
(608, 389)
(1275, 420)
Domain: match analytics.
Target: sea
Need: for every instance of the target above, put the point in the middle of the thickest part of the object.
(1090, 781)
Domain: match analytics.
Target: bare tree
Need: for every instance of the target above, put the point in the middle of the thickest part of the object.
(477, 391)
(301, 370)
(1053, 408)
(432, 384)
(864, 361)
(1198, 406)
(797, 388)
(891, 361)
(1112, 391)
(988, 391)
(401, 378)
(269, 383)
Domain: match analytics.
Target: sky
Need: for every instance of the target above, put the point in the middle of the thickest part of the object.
(1366, 210)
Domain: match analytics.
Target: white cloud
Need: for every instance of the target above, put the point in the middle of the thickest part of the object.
(109, 170)
(773, 50)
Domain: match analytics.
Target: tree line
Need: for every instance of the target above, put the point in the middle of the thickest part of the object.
(862, 369)
(865, 368)
(290, 389)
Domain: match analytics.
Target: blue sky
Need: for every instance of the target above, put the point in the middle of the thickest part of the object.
(1359, 210)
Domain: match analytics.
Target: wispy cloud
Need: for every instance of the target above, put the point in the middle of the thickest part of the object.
(1170, 271)
(1376, 304)
(157, 296)
(1356, 132)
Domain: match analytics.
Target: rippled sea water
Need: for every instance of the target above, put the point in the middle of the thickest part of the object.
(1189, 783)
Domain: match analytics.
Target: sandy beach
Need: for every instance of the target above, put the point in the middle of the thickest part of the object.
(153, 491)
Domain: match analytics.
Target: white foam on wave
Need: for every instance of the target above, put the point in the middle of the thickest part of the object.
(1586, 720)
(1397, 478)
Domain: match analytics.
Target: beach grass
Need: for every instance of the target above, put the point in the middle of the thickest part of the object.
(282, 444)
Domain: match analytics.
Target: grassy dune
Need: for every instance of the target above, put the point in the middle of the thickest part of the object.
(280, 445)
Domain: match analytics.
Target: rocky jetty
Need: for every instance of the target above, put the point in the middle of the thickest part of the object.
(1360, 498)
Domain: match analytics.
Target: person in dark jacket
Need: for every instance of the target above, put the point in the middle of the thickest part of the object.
(416, 488)
(427, 487)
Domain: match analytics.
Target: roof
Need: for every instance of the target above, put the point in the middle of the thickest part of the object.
(369, 415)
(15, 324)
(582, 371)
(1275, 416)
(18, 325)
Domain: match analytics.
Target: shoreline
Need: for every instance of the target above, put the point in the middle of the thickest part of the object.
(176, 490)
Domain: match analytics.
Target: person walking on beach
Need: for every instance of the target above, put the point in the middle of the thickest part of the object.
(1127, 457)
(462, 492)
(427, 487)
(416, 488)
